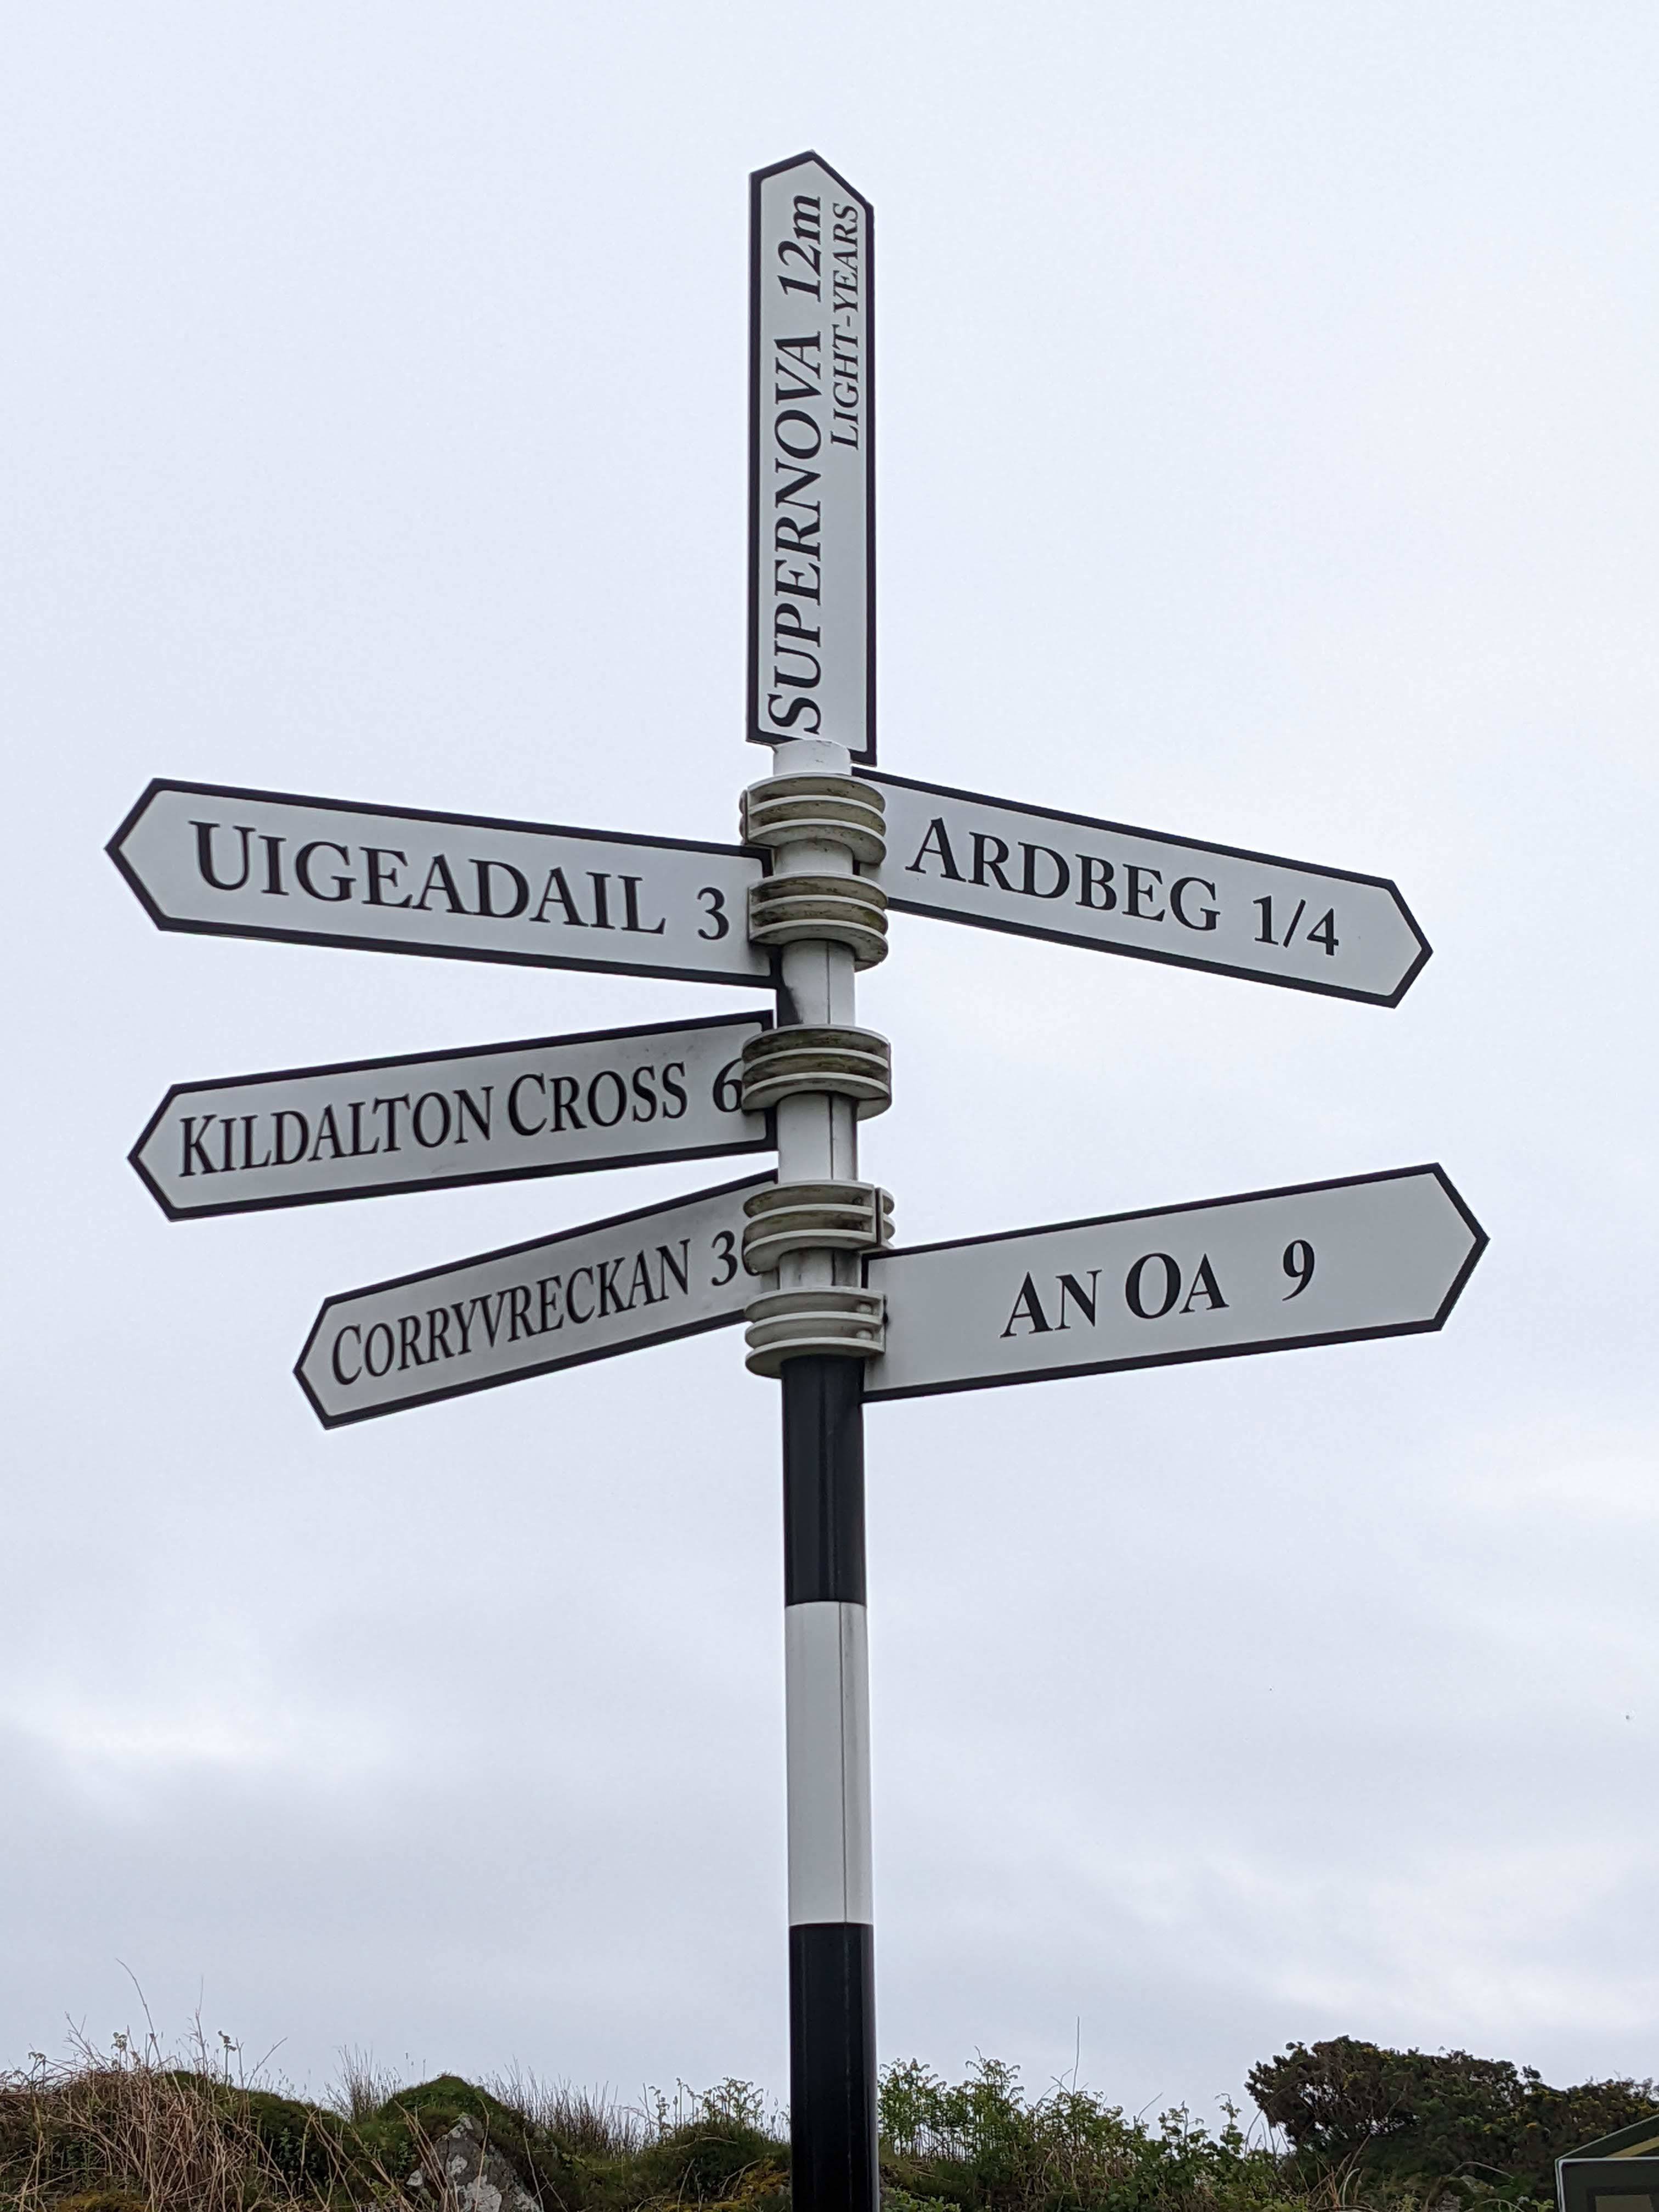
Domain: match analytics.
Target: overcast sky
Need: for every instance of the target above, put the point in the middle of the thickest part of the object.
(1267, 454)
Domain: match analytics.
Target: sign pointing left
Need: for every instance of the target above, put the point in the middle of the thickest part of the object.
(588, 1293)
(230, 863)
(434, 1121)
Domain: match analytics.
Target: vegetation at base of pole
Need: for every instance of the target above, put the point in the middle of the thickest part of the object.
(1345, 2126)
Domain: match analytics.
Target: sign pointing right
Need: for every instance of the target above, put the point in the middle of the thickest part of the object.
(964, 857)
(1319, 1263)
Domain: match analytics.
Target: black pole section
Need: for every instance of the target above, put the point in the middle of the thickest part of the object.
(824, 1481)
(832, 2011)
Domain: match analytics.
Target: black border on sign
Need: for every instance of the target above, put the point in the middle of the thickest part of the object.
(1209, 1352)
(1582, 2183)
(902, 904)
(1623, 2143)
(763, 1019)
(508, 1252)
(341, 942)
(756, 735)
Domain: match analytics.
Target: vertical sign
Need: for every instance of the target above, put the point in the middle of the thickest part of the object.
(811, 460)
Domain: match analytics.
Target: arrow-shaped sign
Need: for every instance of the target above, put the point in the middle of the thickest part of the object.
(587, 1293)
(433, 1121)
(964, 857)
(231, 863)
(1319, 1263)
(811, 460)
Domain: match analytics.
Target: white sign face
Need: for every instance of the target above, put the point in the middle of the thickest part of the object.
(610, 1286)
(433, 1120)
(1325, 1263)
(811, 460)
(237, 863)
(963, 857)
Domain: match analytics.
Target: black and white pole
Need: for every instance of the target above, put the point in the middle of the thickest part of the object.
(832, 2005)
(811, 698)
(819, 1072)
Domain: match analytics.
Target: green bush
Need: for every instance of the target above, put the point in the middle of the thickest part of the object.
(983, 2145)
(706, 2158)
(1370, 2129)
(1435, 2115)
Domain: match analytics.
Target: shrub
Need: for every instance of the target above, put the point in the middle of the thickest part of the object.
(1435, 2115)
(706, 2156)
(982, 2145)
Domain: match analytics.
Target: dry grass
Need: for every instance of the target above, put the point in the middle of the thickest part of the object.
(592, 2123)
(127, 2127)
(137, 2128)
(362, 2086)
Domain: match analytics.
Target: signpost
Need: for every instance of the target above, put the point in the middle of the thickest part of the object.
(615, 1098)
(587, 1293)
(798, 1255)
(230, 863)
(962, 857)
(1271, 1271)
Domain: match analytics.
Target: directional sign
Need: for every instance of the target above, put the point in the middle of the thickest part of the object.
(554, 1105)
(963, 857)
(1618, 2173)
(811, 460)
(609, 1286)
(231, 863)
(1320, 1263)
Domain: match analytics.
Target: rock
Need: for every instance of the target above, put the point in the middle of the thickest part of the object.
(470, 2176)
